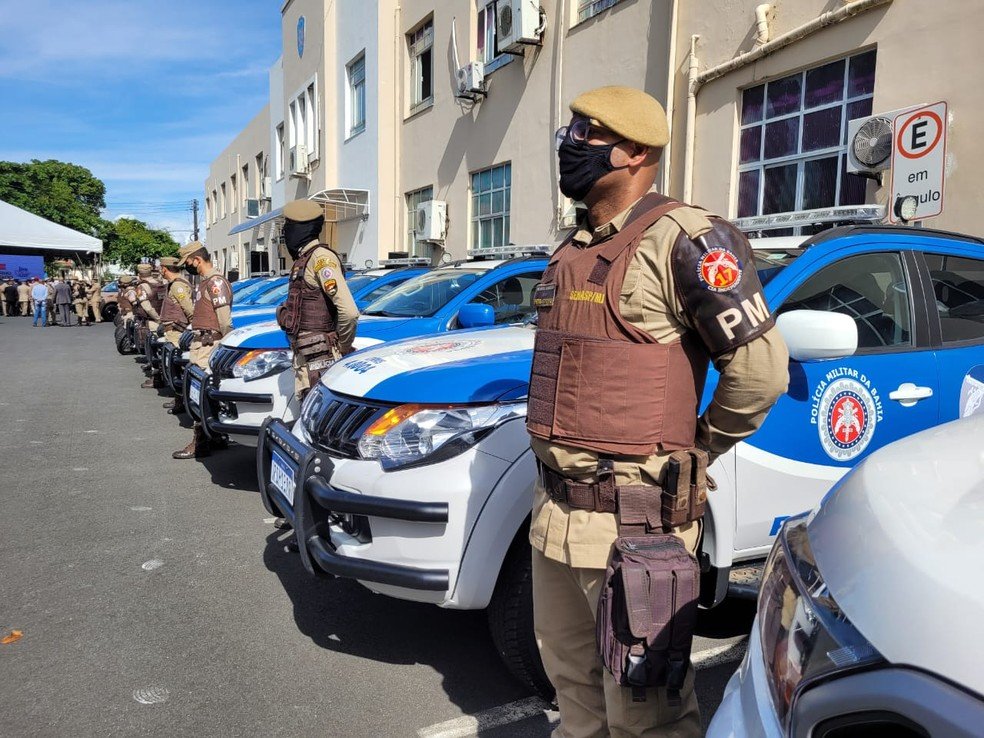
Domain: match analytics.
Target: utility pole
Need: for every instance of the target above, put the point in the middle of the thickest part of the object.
(194, 210)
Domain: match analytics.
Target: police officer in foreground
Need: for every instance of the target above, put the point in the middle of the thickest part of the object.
(150, 297)
(210, 320)
(176, 314)
(633, 306)
(319, 315)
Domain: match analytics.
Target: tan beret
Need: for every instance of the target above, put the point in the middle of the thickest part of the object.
(187, 250)
(302, 211)
(125, 279)
(169, 261)
(145, 268)
(629, 112)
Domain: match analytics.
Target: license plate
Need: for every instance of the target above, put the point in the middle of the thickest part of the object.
(195, 392)
(282, 476)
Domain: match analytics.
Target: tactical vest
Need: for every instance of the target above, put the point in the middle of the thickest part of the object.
(204, 318)
(155, 294)
(598, 382)
(125, 305)
(172, 315)
(307, 308)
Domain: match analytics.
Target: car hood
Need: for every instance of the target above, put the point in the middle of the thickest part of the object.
(254, 332)
(900, 544)
(482, 365)
(248, 316)
(371, 326)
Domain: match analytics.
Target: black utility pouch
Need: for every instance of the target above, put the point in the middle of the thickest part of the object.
(647, 613)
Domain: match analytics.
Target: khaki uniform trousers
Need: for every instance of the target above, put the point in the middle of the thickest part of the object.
(25, 307)
(173, 336)
(302, 375)
(198, 354)
(592, 705)
(96, 311)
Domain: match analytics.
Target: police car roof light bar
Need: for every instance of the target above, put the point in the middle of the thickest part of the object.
(406, 261)
(511, 251)
(793, 219)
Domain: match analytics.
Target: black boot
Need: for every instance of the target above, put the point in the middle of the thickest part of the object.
(197, 449)
(175, 406)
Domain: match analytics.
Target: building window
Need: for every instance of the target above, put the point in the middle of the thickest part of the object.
(414, 199)
(215, 206)
(421, 43)
(486, 38)
(588, 8)
(222, 200)
(244, 183)
(302, 123)
(260, 187)
(281, 152)
(311, 131)
(490, 196)
(357, 95)
(234, 191)
(208, 209)
(792, 151)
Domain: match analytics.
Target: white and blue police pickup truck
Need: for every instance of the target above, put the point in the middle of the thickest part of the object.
(250, 375)
(410, 469)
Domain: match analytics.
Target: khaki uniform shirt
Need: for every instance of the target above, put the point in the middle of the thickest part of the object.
(752, 378)
(324, 271)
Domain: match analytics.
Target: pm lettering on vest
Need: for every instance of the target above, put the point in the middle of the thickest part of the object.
(753, 309)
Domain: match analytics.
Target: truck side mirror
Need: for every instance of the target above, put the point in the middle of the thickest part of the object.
(476, 315)
(813, 335)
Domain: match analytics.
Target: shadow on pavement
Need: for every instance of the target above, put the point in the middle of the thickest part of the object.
(341, 615)
(231, 468)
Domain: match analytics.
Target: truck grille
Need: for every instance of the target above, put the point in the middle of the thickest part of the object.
(223, 359)
(336, 422)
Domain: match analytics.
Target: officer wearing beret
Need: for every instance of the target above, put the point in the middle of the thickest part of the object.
(210, 320)
(633, 306)
(175, 314)
(125, 298)
(93, 292)
(319, 315)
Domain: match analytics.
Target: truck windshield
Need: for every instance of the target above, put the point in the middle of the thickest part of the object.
(424, 295)
(769, 262)
(273, 297)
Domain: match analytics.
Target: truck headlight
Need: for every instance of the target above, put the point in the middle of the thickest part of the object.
(805, 635)
(259, 364)
(412, 435)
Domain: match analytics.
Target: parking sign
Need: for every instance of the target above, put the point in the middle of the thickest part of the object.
(918, 163)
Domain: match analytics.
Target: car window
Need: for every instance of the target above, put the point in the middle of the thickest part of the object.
(383, 289)
(359, 281)
(769, 262)
(958, 283)
(871, 288)
(246, 292)
(511, 298)
(111, 287)
(274, 296)
(423, 295)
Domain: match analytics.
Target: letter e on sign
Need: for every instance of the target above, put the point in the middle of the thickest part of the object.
(919, 161)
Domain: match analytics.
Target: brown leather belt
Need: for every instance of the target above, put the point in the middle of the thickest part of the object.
(596, 497)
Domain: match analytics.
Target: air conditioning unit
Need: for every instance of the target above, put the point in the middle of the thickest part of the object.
(299, 164)
(869, 143)
(252, 208)
(267, 191)
(471, 80)
(518, 23)
(431, 222)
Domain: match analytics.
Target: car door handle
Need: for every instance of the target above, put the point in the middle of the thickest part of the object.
(908, 394)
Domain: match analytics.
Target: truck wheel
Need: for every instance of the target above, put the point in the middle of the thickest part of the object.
(110, 311)
(510, 616)
(123, 344)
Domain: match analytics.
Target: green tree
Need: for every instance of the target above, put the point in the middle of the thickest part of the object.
(127, 240)
(64, 193)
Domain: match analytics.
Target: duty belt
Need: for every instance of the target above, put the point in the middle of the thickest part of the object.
(596, 497)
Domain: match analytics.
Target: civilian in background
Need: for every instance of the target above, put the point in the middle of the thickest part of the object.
(63, 301)
(39, 293)
(10, 297)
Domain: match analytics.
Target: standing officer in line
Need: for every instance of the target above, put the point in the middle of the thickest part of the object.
(24, 297)
(319, 315)
(125, 298)
(150, 301)
(634, 304)
(176, 314)
(93, 291)
(211, 319)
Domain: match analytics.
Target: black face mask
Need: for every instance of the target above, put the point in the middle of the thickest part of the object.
(193, 271)
(582, 165)
(299, 235)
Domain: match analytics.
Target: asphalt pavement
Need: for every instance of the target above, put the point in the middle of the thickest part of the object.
(154, 597)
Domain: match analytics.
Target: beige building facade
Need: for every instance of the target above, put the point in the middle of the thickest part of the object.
(237, 191)
(366, 114)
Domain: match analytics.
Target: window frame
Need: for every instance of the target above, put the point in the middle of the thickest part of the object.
(355, 124)
(932, 312)
(919, 323)
(800, 158)
(588, 9)
(411, 240)
(418, 43)
(534, 274)
(505, 214)
(486, 41)
(280, 133)
(222, 201)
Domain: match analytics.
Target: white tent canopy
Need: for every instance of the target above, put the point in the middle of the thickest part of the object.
(29, 231)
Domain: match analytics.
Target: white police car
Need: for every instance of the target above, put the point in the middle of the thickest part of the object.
(410, 469)
(870, 605)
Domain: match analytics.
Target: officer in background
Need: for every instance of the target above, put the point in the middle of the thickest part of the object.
(176, 314)
(79, 302)
(635, 302)
(319, 315)
(125, 298)
(210, 320)
(93, 291)
(52, 316)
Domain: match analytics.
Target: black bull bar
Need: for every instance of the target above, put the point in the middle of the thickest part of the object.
(316, 504)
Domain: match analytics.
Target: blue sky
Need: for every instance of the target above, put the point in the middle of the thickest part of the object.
(142, 92)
